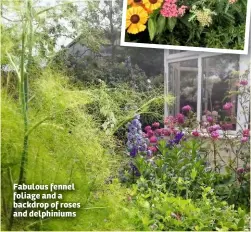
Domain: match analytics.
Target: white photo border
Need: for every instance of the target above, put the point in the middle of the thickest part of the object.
(187, 48)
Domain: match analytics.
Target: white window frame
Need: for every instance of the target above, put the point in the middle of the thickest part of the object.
(244, 64)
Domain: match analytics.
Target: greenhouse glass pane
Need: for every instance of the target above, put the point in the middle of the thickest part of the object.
(183, 84)
(220, 74)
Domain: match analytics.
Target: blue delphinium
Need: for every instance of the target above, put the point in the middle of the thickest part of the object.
(176, 139)
(135, 140)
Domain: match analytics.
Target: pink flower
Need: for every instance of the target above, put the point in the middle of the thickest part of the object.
(153, 139)
(147, 128)
(210, 119)
(169, 120)
(244, 139)
(215, 135)
(180, 118)
(150, 133)
(170, 9)
(195, 133)
(158, 131)
(166, 132)
(245, 133)
(214, 128)
(186, 108)
(152, 148)
(156, 124)
(243, 82)
(228, 106)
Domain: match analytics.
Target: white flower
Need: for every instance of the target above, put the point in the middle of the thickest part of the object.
(187, 90)
(213, 79)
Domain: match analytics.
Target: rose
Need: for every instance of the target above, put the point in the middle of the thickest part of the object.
(244, 139)
(228, 106)
(153, 139)
(215, 135)
(180, 118)
(195, 133)
(156, 124)
(245, 133)
(147, 128)
(186, 108)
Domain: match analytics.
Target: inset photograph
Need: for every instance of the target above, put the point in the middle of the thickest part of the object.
(207, 25)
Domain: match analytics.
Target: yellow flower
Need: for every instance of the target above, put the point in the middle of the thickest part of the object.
(152, 4)
(136, 17)
(134, 2)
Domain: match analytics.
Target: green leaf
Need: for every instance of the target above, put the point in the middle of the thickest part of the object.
(193, 174)
(151, 28)
(241, 224)
(161, 23)
(171, 22)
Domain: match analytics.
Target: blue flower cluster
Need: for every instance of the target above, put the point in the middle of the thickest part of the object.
(135, 140)
(176, 139)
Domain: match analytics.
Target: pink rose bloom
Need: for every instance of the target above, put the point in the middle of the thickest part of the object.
(210, 119)
(156, 124)
(150, 133)
(152, 148)
(180, 118)
(158, 132)
(215, 135)
(186, 108)
(228, 106)
(243, 82)
(244, 139)
(195, 133)
(153, 139)
(166, 132)
(214, 128)
(169, 120)
(245, 133)
(147, 128)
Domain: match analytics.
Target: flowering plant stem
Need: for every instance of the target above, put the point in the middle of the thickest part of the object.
(27, 29)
